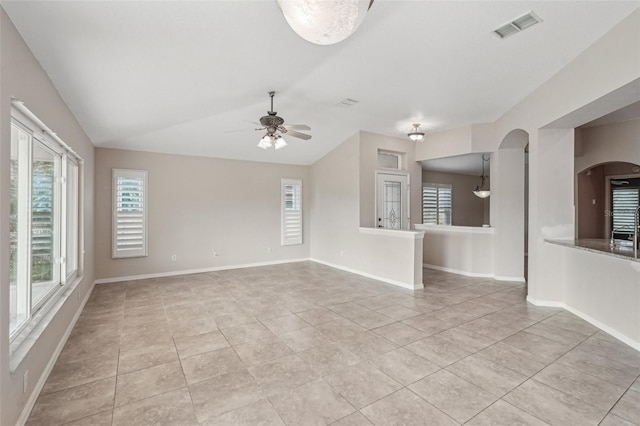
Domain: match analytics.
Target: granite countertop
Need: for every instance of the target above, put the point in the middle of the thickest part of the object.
(599, 246)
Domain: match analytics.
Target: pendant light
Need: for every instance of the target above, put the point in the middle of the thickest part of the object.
(480, 191)
(416, 134)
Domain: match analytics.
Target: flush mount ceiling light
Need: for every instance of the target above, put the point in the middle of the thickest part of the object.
(416, 134)
(480, 191)
(324, 22)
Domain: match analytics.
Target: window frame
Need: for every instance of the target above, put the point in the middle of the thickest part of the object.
(438, 186)
(284, 240)
(129, 173)
(38, 133)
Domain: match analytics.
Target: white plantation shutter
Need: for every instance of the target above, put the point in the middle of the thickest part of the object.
(129, 213)
(291, 212)
(625, 202)
(436, 204)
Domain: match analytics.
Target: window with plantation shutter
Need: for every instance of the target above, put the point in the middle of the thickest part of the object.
(129, 213)
(625, 202)
(436, 204)
(291, 212)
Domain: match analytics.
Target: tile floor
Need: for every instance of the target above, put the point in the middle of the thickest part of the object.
(304, 344)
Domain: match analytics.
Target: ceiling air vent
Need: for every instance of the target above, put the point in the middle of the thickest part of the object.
(519, 24)
(346, 103)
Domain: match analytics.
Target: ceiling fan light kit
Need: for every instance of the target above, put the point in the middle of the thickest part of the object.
(324, 22)
(416, 134)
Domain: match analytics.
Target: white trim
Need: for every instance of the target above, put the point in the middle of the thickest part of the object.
(458, 271)
(514, 279)
(453, 228)
(196, 271)
(474, 274)
(375, 277)
(625, 339)
(26, 411)
(403, 233)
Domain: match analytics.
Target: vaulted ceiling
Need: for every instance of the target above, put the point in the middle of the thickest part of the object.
(174, 76)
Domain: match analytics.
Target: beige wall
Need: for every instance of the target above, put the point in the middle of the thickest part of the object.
(198, 206)
(337, 207)
(370, 143)
(23, 78)
(468, 210)
(606, 143)
(336, 203)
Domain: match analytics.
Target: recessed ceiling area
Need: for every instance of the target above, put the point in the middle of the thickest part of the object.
(174, 77)
(468, 164)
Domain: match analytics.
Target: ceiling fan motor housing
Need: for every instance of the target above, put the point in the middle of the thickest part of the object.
(271, 122)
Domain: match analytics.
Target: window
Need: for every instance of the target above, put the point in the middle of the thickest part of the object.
(291, 212)
(129, 213)
(625, 202)
(389, 160)
(43, 223)
(436, 204)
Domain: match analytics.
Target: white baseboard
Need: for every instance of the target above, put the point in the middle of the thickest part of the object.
(513, 279)
(195, 271)
(457, 271)
(625, 339)
(473, 274)
(31, 402)
(368, 275)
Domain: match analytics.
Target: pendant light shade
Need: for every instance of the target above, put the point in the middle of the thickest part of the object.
(416, 134)
(480, 191)
(324, 22)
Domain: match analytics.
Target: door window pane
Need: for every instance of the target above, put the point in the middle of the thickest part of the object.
(392, 205)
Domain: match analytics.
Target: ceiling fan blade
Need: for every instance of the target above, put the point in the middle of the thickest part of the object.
(298, 135)
(297, 126)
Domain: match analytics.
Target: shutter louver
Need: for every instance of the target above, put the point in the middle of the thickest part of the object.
(430, 204)
(291, 212)
(625, 202)
(436, 204)
(130, 215)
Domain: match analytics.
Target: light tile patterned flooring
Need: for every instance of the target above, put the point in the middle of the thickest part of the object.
(304, 344)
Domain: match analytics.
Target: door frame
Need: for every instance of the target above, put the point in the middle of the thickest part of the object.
(406, 217)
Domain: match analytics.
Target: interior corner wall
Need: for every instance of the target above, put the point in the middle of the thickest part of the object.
(198, 206)
(335, 203)
(507, 192)
(551, 212)
(23, 77)
(468, 210)
(370, 143)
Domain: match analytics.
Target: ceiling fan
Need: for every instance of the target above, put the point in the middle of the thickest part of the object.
(274, 125)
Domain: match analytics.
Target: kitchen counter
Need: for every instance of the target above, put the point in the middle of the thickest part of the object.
(598, 246)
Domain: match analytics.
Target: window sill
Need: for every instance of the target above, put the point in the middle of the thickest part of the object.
(27, 338)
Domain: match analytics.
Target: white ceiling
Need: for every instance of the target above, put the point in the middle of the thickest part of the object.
(172, 76)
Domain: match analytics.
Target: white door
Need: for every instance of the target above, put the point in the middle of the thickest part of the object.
(392, 201)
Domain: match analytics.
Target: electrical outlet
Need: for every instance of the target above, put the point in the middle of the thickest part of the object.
(341, 253)
(594, 201)
(174, 257)
(25, 381)
(268, 250)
